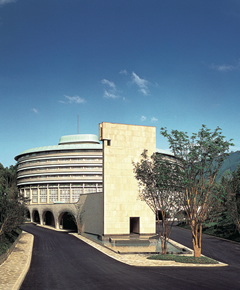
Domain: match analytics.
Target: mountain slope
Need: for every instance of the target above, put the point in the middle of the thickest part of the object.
(231, 163)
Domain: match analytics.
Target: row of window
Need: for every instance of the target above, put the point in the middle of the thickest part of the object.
(62, 185)
(64, 194)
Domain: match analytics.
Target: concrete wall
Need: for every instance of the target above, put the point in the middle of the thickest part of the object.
(123, 144)
(88, 211)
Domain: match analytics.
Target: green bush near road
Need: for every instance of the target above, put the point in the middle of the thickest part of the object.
(223, 228)
(8, 239)
(12, 207)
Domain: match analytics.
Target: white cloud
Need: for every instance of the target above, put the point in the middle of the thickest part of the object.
(144, 91)
(109, 95)
(123, 72)
(34, 110)
(225, 68)
(153, 119)
(2, 2)
(141, 83)
(143, 118)
(107, 82)
(74, 99)
(222, 67)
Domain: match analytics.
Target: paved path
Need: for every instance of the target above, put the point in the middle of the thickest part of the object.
(61, 261)
(14, 269)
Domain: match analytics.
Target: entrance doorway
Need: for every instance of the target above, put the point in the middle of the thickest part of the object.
(134, 225)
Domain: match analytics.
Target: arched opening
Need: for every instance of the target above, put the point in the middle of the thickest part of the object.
(27, 215)
(36, 217)
(67, 221)
(48, 219)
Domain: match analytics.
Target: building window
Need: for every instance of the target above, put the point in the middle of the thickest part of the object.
(76, 192)
(27, 193)
(65, 195)
(53, 194)
(90, 190)
(34, 196)
(43, 195)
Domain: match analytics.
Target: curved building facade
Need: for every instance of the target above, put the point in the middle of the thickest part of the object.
(92, 181)
(61, 173)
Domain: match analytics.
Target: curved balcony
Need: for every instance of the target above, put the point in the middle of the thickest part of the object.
(58, 179)
(40, 171)
(63, 162)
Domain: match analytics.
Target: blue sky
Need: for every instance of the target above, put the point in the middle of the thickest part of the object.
(173, 64)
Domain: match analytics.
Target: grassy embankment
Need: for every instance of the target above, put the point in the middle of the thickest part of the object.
(7, 240)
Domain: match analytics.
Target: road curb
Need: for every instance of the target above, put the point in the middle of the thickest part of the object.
(5, 255)
(26, 266)
(139, 260)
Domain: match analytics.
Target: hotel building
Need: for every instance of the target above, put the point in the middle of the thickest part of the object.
(92, 181)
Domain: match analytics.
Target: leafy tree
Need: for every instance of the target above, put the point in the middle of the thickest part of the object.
(2, 179)
(12, 208)
(231, 181)
(200, 155)
(158, 187)
(11, 214)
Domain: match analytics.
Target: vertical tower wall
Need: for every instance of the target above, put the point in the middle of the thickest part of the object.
(122, 145)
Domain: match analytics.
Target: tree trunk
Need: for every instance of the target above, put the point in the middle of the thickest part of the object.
(163, 240)
(196, 238)
(164, 250)
(197, 251)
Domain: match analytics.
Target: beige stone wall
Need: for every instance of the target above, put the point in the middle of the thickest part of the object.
(124, 144)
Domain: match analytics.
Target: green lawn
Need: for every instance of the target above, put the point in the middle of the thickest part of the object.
(184, 259)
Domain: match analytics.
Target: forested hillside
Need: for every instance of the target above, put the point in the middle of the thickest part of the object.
(12, 208)
(231, 163)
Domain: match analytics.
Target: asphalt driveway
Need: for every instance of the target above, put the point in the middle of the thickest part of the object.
(61, 261)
